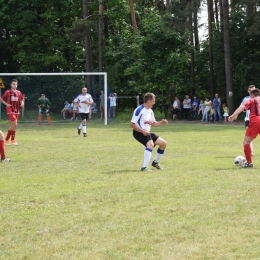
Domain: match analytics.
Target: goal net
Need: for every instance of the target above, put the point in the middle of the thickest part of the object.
(58, 87)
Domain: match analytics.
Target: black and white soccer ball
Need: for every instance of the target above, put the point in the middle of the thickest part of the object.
(240, 160)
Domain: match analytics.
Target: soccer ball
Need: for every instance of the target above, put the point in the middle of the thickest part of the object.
(240, 160)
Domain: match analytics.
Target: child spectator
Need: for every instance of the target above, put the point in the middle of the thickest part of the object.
(66, 109)
(211, 114)
(201, 107)
(225, 110)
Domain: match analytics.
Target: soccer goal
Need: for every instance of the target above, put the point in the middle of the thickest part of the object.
(71, 82)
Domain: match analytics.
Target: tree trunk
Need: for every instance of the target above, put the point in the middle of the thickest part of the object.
(216, 14)
(132, 11)
(227, 53)
(192, 67)
(87, 48)
(250, 8)
(168, 6)
(210, 21)
(100, 36)
(195, 22)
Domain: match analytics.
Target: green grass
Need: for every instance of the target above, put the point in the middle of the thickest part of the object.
(69, 197)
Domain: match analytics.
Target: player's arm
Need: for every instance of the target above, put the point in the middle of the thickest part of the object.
(22, 103)
(236, 113)
(138, 129)
(158, 123)
(6, 104)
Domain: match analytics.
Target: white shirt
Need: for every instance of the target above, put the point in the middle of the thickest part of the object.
(187, 103)
(83, 107)
(245, 99)
(112, 101)
(141, 115)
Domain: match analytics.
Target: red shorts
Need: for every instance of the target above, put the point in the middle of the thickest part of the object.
(13, 117)
(253, 129)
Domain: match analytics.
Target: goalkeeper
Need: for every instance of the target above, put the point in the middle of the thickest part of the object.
(44, 106)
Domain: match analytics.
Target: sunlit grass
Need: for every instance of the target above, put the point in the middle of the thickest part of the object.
(69, 197)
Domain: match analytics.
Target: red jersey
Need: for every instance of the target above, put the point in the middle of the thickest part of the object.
(254, 105)
(14, 98)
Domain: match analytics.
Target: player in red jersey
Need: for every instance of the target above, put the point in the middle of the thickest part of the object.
(254, 123)
(14, 98)
(2, 148)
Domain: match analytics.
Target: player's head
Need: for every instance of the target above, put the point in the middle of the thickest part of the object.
(14, 84)
(42, 96)
(149, 99)
(84, 91)
(250, 88)
(255, 93)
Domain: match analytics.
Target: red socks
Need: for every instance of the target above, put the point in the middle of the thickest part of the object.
(2, 149)
(11, 134)
(248, 153)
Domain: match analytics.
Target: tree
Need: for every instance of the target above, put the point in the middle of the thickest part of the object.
(227, 54)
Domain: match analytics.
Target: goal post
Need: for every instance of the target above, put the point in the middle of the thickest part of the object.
(104, 74)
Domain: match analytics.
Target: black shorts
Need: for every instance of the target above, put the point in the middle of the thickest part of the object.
(175, 111)
(144, 139)
(84, 116)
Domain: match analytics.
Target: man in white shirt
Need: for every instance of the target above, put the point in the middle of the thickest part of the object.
(112, 107)
(83, 102)
(143, 118)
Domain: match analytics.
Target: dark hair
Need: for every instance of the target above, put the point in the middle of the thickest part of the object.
(14, 80)
(255, 92)
(148, 96)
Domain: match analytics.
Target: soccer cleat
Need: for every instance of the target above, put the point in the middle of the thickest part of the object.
(145, 169)
(157, 165)
(7, 142)
(6, 160)
(79, 131)
(84, 134)
(14, 142)
(247, 165)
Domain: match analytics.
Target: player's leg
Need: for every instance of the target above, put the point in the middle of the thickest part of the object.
(39, 118)
(84, 124)
(160, 151)
(247, 149)
(251, 144)
(2, 148)
(48, 118)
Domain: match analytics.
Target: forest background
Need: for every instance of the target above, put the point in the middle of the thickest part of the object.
(143, 45)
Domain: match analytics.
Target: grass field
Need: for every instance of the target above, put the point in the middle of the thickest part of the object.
(69, 197)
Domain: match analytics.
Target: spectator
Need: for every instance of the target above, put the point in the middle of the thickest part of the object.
(201, 107)
(211, 114)
(195, 108)
(207, 104)
(217, 105)
(112, 107)
(176, 108)
(186, 107)
(66, 110)
(225, 110)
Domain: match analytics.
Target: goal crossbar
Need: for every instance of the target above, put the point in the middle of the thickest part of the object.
(68, 74)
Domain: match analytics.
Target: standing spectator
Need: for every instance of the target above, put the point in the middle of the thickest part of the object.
(211, 113)
(112, 107)
(253, 129)
(195, 108)
(102, 104)
(207, 104)
(2, 148)
(83, 101)
(176, 108)
(186, 107)
(44, 106)
(13, 99)
(66, 110)
(225, 110)
(142, 120)
(217, 105)
(247, 117)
